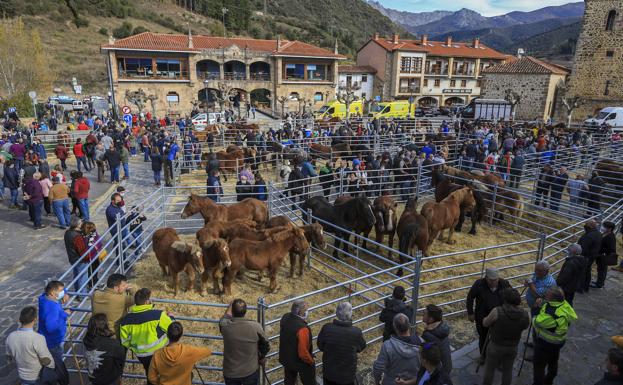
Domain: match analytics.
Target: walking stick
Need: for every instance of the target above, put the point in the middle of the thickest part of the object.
(73, 351)
(523, 356)
(199, 374)
(484, 351)
(265, 375)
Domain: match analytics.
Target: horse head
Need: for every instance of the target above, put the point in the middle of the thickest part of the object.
(384, 209)
(222, 250)
(193, 253)
(411, 204)
(192, 207)
(364, 209)
(317, 236)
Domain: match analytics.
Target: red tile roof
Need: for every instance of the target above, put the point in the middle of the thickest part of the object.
(439, 48)
(356, 69)
(149, 41)
(527, 65)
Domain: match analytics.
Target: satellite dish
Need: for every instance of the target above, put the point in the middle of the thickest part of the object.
(32, 94)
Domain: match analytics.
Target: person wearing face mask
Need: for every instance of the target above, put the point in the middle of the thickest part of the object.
(53, 318)
(295, 346)
(114, 300)
(114, 210)
(607, 253)
(590, 242)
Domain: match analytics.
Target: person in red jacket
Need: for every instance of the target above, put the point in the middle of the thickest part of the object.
(80, 155)
(83, 126)
(62, 153)
(81, 193)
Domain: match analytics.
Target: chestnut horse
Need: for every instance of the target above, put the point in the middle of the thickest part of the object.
(225, 230)
(249, 209)
(412, 231)
(261, 255)
(175, 255)
(215, 261)
(446, 214)
(384, 209)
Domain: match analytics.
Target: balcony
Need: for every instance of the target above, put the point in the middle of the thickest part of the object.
(463, 73)
(148, 74)
(437, 72)
(260, 76)
(235, 75)
(408, 90)
(208, 75)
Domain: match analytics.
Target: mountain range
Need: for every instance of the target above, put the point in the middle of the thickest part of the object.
(549, 31)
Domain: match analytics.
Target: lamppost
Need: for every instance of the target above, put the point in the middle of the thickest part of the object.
(205, 89)
(346, 95)
(413, 88)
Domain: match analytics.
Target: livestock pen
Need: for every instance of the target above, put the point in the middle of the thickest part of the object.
(363, 276)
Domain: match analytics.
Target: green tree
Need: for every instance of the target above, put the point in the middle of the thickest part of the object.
(124, 30)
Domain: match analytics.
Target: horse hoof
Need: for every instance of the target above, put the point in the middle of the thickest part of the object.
(472, 232)
(451, 242)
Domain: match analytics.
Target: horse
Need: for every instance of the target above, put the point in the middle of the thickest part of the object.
(505, 200)
(175, 256)
(446, 214)
(360, 228)
(225, 230)
(444, 187)
(261, 255)
(384, 209)
(230, 162)
(249, 209)
(412, 230)
(215, 261)
(489, 178)
(355, 213)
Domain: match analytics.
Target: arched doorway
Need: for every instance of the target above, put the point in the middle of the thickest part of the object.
(260, 97)
(428, 101)
(453, 100)
(208, 70)
(259, 70)
(207, 99)
(235, 70)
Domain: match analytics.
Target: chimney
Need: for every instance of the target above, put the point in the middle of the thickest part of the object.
(111, 39)
(395, 38)
(476, 42)
(376, 36)
(424, 39)
(335, 47)
(190, 38)
(520, 53)
(278, 42)
(449, 41)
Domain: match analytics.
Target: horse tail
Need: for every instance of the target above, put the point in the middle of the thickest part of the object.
(519, 209)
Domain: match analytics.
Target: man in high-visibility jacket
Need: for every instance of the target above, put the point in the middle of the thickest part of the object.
(550, 329)
(144, 329)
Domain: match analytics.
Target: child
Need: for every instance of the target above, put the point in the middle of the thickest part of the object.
(92, 239)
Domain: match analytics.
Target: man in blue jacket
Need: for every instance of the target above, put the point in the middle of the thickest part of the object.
(52, 317)
(112, 211)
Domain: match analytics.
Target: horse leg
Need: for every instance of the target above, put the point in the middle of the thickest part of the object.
(175, 277)
(301, 263)
(450, 233)
(227, 280)
(390, 240)
(337, 244)
(459, 225)
(401, 260)
(292, 263)
(190, 271)
(273, 279)
(164, 270)
(472, 231)
(204, 279)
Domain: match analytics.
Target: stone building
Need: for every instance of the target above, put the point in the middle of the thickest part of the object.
(597, 73)
(434, 73)
(534, 80)
(184, 69)
(362, 76)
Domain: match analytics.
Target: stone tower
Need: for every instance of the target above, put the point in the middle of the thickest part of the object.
(597, 75)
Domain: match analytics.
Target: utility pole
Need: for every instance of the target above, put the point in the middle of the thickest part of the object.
(265, 8)
(224, 10)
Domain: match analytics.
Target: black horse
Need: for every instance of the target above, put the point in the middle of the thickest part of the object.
(345, 217)
(444, 187)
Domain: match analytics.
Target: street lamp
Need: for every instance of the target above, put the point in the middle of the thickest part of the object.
(412, 89)
(224, 10)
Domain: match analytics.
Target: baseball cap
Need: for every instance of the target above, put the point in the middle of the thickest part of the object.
(492, 273)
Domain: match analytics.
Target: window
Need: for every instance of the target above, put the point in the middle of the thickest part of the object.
(316, 71)
(364, 78)
(173, 97)
(363, 95)
(452, 83)
(609, 53)
(135, 67)
(425, 84)
(295, 71)
(437, 82)
(168, 68)
(478, 83)
(410, 64)
(610, 20)
(294, 96)
(318, 97)
(607, 89)
(463, 83)
(409, 85)
(349, 79)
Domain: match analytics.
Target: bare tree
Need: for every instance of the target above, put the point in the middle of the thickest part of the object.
(223, 94)
(570, 102)
(346, 95)
(513, 98)
(283, 100)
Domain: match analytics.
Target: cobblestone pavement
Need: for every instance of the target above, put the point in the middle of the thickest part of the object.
(600, 316)
(30, 257)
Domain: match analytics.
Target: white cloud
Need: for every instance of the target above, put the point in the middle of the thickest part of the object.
(485, 7)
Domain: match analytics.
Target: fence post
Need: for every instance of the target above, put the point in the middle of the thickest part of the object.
(164, 200)
(262, 321)
(484, 262)
(418, 180)
(309, 251)
(534, 185)
(269, 198)
(341, 182)
(495, 193)
(415, 289)
(541, 251)
(120, 245)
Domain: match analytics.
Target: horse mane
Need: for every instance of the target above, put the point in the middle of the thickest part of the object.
(281, 235)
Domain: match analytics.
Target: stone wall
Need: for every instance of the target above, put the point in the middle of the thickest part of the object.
(532, 88)
(592, 67)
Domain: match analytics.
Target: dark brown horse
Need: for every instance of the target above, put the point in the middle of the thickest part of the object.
(384, 208)
(412, 231)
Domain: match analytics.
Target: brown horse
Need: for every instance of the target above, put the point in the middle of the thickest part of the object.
(446, 214)
(225, 230)
(249, 209)
(261, 255)
(313, 233)
(412, 231)
(384, 208)
(279, 220)
(230, 162)
(505, 200)
(215, 261)
(175, 255)
(490, 179)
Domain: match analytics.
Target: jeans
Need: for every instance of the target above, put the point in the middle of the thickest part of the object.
(34, 210)
(80, 272)
(252, 379)
(126, 170)
(1, 189)
(146, 153)
(307, 374)
(146, 361)
(499, 356)
(62, 212)
(157, 177)
(83, 205)
(63, 164)
(114, 174)
(545, 356)
(18, 163)
(81, 159)
(14, 196)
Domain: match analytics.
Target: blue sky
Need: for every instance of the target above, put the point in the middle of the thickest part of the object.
(485, 7)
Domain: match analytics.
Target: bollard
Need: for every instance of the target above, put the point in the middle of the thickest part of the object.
(541, 249)
(418, 181)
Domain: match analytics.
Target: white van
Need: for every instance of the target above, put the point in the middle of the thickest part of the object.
(200, 121)
(612, 116)
(77, 105)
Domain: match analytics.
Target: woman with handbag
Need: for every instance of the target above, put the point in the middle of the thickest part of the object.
(607, 253)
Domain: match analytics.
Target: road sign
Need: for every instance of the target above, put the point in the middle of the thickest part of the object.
(128, 119)
(411, 99)
(126, 110)
(32, 94)
(12, 109)
(377, 98)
